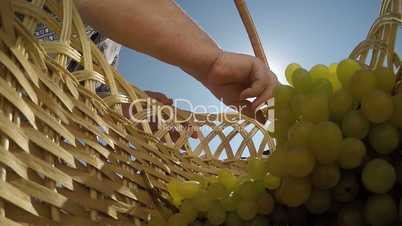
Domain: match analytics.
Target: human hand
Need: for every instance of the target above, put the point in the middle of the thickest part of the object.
(236, 77)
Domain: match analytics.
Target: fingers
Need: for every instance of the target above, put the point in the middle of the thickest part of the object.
(267, 94)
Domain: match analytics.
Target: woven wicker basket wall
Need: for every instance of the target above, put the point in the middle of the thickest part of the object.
(68, 156)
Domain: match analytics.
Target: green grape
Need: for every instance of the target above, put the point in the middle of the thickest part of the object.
(173, 189)
(283, 94)
(384, 138)
(281, 130)
(352, 153)
(378, 176)
(345, 70)
(325, 176)
(265, 204)
(333, 78)
(299, 133)
(319, 201)
(325, 141)
(189, 189)
(297, 102)
(277, 162)
(322, 87)
(247, 209)
(229, 202)
(177, 220)
(300, 162)
(362, 83)
(385, 79)
(271, 182)
(354, 124)
(377, 106)
(157, 220)
(318, 72)
(380, 210)
(302, 80)
(250, 190)
(340, 103)
(396, 117)
(188, 212)
(217, 191)
(315, 108)
(228, 180)
(351, 216)
(285, 116)
(257, 168)
(202, 201)
(233, 219)
(347, 189)
(289, 72)
(259, 221)
(293, 191)
(216, 215)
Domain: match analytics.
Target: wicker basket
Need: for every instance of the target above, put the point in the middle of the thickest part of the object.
(69, 157)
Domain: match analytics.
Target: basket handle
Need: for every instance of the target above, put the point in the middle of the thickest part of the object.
(251, 30)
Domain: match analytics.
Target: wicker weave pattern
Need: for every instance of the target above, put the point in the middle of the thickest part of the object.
(68, 156)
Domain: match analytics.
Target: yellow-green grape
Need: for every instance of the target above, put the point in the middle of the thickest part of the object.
(202, 201)
(322, 87)
(354, 124)
(378, 176)
(385, 79)
(157, 220)
(325, 176)
(345, 70)
(247, 209)
(351, 216)
(177, 220)
(173, 189)
(302, 80)
(281, 131)
(352, 153)
(333, 78)
(384, 138)
(259, 221)
(299, 133)
(340, 103)
(319, 201)
(300, 162)
(216, 215)
(319, 71)
(297, 102)
(283, 94)
(271, 182)
(217, 191)
(362, 83)
(212, 179)
(377, 106)
(189, 189)
(325, 141)
(187, 211)
(380, 210)
(293, 191)
(257, 168)
(277, 162)
(229, 202)
(290, 69)
(315, 108)
(396, 117)
(265, 203)
(347, 189)
(233, 219)
(250, 190)
(228, 180)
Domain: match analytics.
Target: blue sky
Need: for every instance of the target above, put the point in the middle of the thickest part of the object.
(304, 31)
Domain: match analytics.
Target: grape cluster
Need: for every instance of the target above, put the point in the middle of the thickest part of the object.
(337, 161)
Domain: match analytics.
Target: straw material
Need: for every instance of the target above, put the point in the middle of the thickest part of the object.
(69, 157)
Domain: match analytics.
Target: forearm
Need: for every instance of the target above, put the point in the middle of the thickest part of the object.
(155, 27)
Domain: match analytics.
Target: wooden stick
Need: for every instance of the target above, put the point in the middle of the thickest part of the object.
(251, 30)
